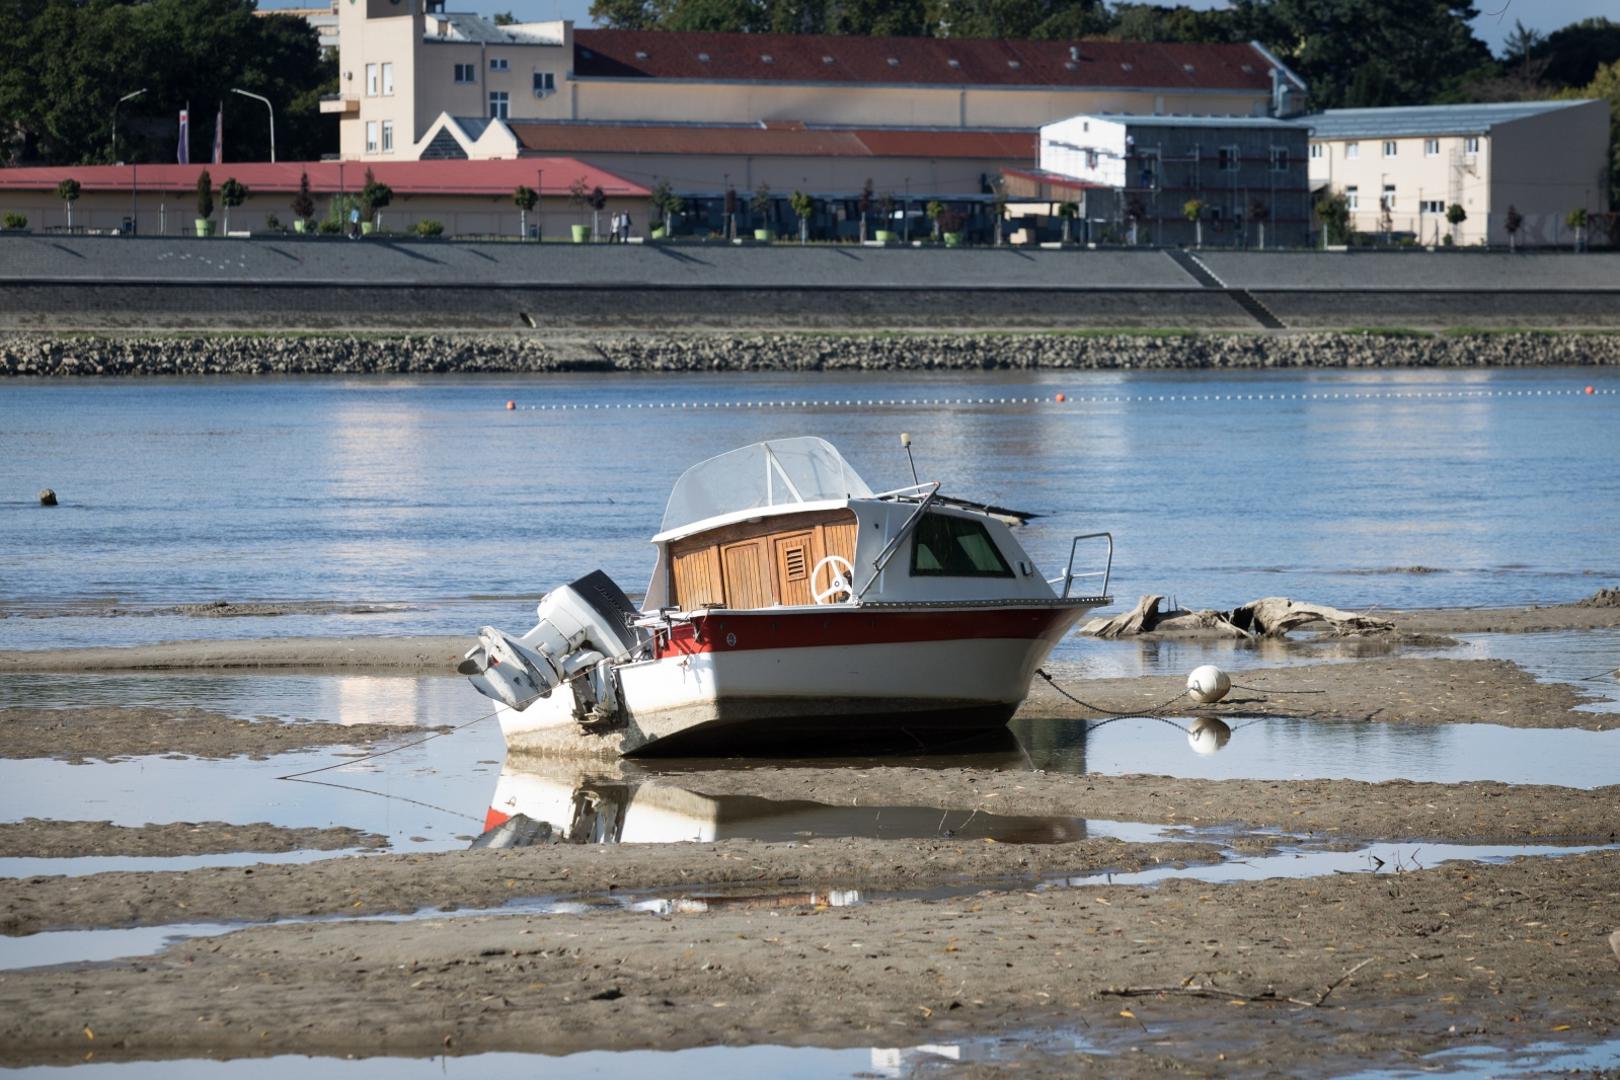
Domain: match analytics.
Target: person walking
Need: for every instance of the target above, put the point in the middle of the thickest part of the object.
(624, 224)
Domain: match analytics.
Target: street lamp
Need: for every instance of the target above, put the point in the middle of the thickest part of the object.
(117, 103)
(272, 111)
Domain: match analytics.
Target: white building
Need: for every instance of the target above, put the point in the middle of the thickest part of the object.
(1401, 168)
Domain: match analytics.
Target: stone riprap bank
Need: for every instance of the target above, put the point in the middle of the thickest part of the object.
(49, 356)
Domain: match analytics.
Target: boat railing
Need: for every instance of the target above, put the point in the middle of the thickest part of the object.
(912, 492)
(1069, 576)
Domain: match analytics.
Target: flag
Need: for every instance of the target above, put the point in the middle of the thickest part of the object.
(183, 155)
(219, 136)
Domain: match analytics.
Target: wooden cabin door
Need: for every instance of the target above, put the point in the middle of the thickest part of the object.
(747, 574)
(795, 555)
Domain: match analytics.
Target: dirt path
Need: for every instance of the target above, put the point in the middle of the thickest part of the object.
(1399, 964)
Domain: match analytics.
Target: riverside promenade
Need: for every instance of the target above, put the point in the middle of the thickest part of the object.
(291, 284)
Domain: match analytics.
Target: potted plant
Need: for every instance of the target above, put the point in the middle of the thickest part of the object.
(303, 207)
(1577, 220)
(803, 206)
(597, 201)
(231, 193)
(885, 234)
(579, 194)
(68, 192)
(1193, 210)
(205, 204)
(759, 206)
(13, 221)
(934, 209)
(1455, 216)
(526, 198)
(373, 197)
(950, 225)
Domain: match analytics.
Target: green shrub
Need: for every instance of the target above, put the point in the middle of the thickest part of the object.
(428, 227)
(330, 227)
(14, 220)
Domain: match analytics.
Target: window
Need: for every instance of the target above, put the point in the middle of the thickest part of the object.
(946, 546)
(1091, 160)
(498, 63)
(466, 73)
(371, 80)
(1228, 159)
(371, 136)
(1471, 145)
(1389, 147)
(1316, 150)
(1148, 175)
(1431, 147)
(544, 83)
(1386, 201)
(1352, 149)
(1432, 206)
(1279, 159)
(1352, 197)
(498, 106)
(388, 136)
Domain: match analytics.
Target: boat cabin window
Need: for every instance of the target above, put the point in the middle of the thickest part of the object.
(946, 546)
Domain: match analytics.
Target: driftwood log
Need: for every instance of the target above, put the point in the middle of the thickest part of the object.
(1271, 616)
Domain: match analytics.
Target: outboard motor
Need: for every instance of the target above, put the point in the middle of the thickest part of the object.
(584, 629)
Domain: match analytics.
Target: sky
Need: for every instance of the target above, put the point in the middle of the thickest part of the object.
(1493, 25)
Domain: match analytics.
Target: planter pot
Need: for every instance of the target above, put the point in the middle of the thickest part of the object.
(205, 227)
(581, 233)
(366, 228)
(764, 235)
(953, 239)
(300, 226)
(883, 236)
(658, 233)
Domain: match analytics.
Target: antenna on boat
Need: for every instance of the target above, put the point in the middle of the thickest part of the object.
(905, 441)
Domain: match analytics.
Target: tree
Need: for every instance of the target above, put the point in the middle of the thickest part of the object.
(1455, 216)
(999, 202)
(624, 14)
(232, 193)
(803, 206)
(864, 205)
(1573, 55)
(1577, 221)
(1606, 85)
(1260, 213)
(1333, 211)
(205, 196)
(596, 200)
(303, 207)
(759, 207)
(1135, 213)
(1512, 223)
(1068, 212)
(934, 209)
(666, 204)
(374, 196)
(525, 198)
(68, 192)
(886, 205)
(1193, 210)
(503, 18)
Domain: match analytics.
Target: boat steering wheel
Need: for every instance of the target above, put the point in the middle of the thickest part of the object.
(841, 581)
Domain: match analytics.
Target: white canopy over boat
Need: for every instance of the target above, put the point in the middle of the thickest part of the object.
(777, 473)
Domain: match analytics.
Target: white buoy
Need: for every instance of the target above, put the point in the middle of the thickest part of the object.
(1208, 684)
(1207, 735)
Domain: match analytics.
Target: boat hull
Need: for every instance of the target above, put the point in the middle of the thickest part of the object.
(815, 679)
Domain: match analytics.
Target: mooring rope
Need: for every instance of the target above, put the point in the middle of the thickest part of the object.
(1153, 712)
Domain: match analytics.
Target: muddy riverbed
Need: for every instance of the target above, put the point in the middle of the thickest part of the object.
(1253, 888)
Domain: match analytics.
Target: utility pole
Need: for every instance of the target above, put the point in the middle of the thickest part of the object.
(120, 101)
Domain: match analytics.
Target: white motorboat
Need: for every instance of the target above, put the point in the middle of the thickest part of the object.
(790, 604)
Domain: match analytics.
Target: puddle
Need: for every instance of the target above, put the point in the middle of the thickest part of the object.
(1126, 658)
(334, 698)
(699, 1063)
(1536, 1059)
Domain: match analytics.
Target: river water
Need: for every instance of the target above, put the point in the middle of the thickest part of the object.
(428, 496)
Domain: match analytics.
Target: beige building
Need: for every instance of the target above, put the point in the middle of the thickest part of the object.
(407, 68)
(1401, 168)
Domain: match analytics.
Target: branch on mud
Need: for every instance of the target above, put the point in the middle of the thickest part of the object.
(1190, 988)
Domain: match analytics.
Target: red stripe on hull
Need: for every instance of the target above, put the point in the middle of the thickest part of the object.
(742, 631)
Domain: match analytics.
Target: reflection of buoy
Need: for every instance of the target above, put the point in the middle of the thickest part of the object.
(1208, 735)
(511, 404)
(1208, 684)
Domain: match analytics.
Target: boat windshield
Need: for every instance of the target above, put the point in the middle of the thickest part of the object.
(781, 472)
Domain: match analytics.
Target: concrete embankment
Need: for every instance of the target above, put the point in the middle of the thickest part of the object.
(55, 356)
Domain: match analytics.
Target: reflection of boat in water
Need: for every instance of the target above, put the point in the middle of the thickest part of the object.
(789, 604)
(595, 806)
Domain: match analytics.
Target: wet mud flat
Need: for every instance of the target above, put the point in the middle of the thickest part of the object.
(1271, 976)
(794, 933)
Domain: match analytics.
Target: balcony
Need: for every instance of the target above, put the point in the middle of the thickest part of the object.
(337, 103)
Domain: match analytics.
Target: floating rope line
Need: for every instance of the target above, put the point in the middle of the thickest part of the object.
(1059, 398)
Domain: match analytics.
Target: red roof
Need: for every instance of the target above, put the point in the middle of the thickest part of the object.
(326, 177)
(838, 58)
(795, 140)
